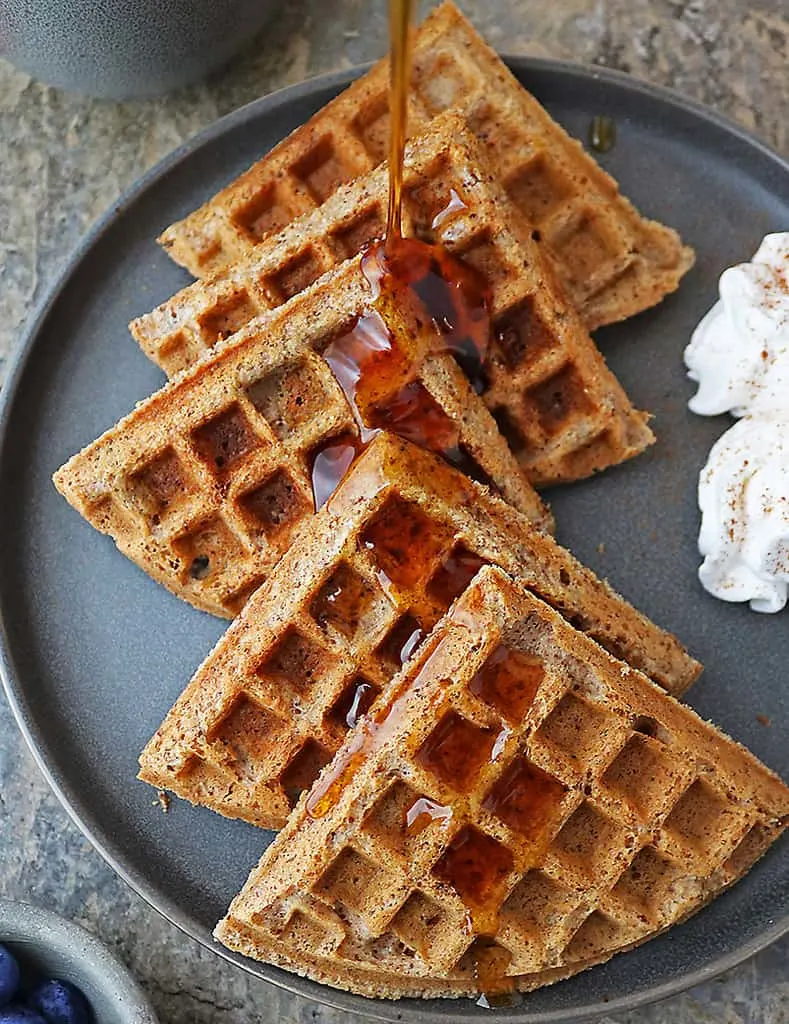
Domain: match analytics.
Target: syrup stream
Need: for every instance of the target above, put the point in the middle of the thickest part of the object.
(401, 13)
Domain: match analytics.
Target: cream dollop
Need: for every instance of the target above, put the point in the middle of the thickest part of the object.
(739, 356)
(744, 502)
(739, 353)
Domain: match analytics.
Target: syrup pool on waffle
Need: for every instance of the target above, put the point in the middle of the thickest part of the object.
(450, 304)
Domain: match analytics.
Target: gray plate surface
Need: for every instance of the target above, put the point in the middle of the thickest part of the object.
(94, 653)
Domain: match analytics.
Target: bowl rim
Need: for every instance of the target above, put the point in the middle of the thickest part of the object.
(23, 922)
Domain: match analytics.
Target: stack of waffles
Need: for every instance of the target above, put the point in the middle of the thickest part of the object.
(473, 746)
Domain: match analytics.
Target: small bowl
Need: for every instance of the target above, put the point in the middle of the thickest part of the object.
(47, 946)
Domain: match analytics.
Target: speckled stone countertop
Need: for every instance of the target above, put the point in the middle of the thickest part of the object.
(64, 159)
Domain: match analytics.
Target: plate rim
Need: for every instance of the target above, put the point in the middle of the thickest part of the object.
(377, 1009)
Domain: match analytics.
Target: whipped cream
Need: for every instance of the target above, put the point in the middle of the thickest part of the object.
(744, 502)
(739, 353)
(739, 356)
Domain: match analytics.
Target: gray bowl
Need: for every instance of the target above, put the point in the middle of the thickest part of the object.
(126, 48)
(50, 947)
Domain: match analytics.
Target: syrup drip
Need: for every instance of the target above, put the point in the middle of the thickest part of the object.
(454, 206)
(363, 697)
(330, 464)
(424, 812)
(370, 734)
(490, 963)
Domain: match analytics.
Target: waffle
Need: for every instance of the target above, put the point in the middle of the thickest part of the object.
(519, 807)
(205, 484)
(563, 412)
(612, 262)
(353, 597)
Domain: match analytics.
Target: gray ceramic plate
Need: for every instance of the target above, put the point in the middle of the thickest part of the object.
(94, 652)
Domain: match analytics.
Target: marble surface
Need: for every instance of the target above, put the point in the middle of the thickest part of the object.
(64, 159)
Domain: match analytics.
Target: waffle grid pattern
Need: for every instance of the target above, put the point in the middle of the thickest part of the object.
(563, 412)
(292, 699)
(345, 609)
(610, 260)
(204, 484)
(571, 812)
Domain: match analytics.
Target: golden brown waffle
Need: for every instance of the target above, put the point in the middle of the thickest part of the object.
(612, 262)
(563, 412)
(205, 484)
(518, 807)
(369, 576)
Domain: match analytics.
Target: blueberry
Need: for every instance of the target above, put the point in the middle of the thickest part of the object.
(9, 975)
(17, 1014)
(59, 1002)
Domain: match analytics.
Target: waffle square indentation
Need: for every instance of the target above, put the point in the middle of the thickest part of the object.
(476, 866)
(354, 234)
(400, 642)
(247, 733)
(650, 884)
(577, 729)
(527, 799)
(700, 817)
(536, 904)
(539, 188)
(597, 935)
(207, 548)
(225, 439)
(590, 843)
(355, 882)
(321, 170)
(456, 570)
(387, 818)
(371, 127)
(444, 83)
(288, 398)
(296, 662)
(587, 250)
(273, 507)
(161, 485)
(228, 314)
(303, 769)
(642, 774)
(263, 213)
(296, 274)
(456, 750)
(508, 681)
(417, 922)
(522, 336)
(344, 602)
(355, 700)
(562, 397)
(405, 542)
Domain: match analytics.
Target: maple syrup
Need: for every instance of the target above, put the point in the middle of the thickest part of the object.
(401, 15)
(404, 541)
(355, 701)
(401, 643)
(489, 965)
(456, 750)
(476, 866)
(371, 732)
(457, 570)
(330, 463)
(442, 304)
(445, 306)
(424, 812)
(508, 681)
(602, 134)
(526, 798)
